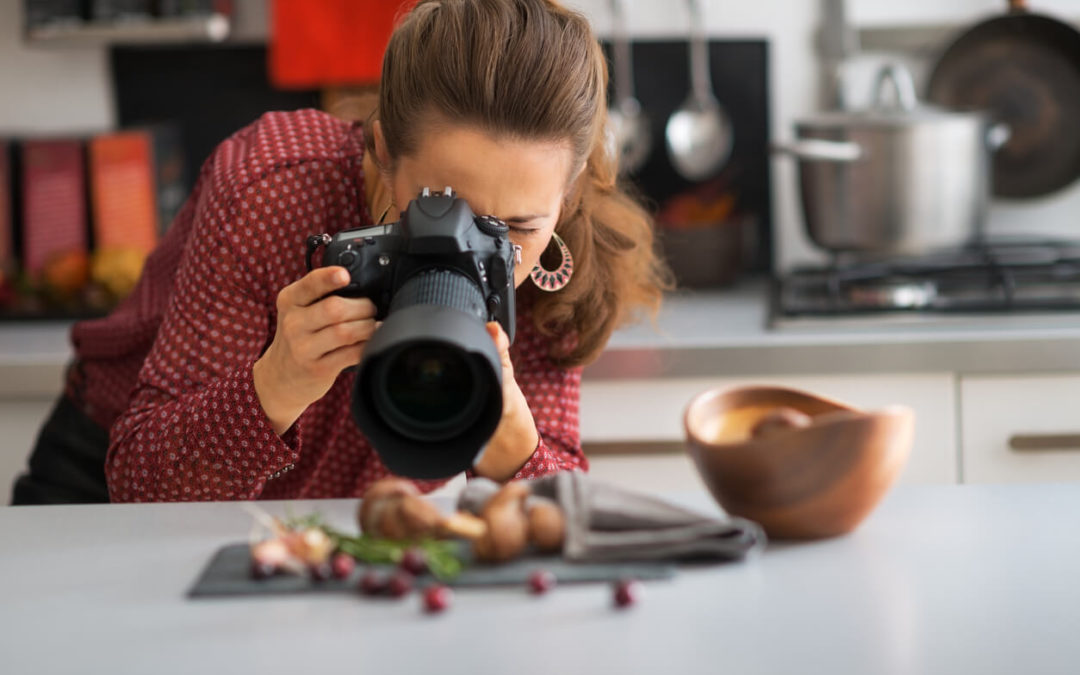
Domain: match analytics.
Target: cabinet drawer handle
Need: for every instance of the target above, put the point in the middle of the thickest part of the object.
(1025, 442)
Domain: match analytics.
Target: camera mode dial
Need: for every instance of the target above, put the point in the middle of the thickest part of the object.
(347, 258)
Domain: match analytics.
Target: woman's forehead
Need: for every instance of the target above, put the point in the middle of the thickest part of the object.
(509, 177)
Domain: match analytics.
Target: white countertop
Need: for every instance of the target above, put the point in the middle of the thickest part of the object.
(941, 579)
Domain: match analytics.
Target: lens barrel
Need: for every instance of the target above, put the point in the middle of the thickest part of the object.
(428, 391)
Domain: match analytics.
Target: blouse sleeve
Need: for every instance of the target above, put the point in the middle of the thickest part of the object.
(553, 394)
(194, 428)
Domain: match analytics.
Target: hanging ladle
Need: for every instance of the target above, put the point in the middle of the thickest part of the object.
(699, 132)
(629, 126)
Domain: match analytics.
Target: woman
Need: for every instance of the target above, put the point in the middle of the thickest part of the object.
(220, 377)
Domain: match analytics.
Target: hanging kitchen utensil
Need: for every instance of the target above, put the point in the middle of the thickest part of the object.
(699, 132)
(899, 177)
(630, 135)
(839, 45)
(1025, 69)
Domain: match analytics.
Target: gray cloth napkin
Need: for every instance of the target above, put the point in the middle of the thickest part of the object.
(605, 522)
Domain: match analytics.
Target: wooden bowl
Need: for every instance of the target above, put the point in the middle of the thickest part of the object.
(802, 466)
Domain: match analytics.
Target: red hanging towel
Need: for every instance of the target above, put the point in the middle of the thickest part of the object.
(315, 43)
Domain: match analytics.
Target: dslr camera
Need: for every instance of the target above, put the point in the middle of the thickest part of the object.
(428, 389)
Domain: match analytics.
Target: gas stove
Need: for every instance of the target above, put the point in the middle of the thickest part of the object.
(996, 278)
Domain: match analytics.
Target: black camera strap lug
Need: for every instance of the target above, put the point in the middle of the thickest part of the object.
(313, 244)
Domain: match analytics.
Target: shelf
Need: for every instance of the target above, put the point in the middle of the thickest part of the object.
(210, 28)
(925, 40)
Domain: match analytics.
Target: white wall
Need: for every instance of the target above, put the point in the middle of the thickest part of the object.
(50, 90)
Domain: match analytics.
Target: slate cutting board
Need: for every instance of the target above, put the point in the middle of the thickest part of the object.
(229, 574)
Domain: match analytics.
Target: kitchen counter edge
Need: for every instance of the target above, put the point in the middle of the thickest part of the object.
(723, 333)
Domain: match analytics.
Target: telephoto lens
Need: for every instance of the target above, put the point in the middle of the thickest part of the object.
(428, 390)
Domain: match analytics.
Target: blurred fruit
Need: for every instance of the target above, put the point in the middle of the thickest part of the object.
(627, 592)
(65, 274)
(373, 582)
(437, 598)
(117, 270)
(541, 581)
(401, 582)
(343, 565)
(414, 561)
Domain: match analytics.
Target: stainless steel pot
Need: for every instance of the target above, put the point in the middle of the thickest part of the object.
(898, 177)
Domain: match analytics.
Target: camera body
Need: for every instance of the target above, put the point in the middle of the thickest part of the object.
(438, 231)
(428, 388)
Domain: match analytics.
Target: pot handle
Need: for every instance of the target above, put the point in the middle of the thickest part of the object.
(904, 87)
(998, 135)
(820, 150)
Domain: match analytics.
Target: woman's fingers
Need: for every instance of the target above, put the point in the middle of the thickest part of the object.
(310, 306)
(337, 310)
(313, 286)
(335, 336)
(342, 358)
(502, 344)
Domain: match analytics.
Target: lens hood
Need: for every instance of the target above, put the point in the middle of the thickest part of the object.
(428, 391)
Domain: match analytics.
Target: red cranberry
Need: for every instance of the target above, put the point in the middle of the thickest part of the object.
(627, 592)
(343, 565)
(437, 598)
(320, 571)
(401, 583)
(373, 582)
(541, 581)
(414, 561)
(262, 570)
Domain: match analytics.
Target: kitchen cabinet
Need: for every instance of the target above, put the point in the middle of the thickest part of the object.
(632, 428)
(1021, 428)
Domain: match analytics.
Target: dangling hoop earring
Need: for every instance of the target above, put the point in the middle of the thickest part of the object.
(553, 280)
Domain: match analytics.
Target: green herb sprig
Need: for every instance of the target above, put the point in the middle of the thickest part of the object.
(443, 557)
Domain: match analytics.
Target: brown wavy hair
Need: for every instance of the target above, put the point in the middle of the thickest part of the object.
(532, 69)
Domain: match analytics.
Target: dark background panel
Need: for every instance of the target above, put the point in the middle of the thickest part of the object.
(740, 83)
(208, 92)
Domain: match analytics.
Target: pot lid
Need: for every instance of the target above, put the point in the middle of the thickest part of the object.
(880, 118)
(901, 108)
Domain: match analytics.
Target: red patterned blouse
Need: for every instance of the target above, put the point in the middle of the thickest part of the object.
(169, 371)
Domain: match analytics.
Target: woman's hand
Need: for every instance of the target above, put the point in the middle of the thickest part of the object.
(318, 336)
(516, 437)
